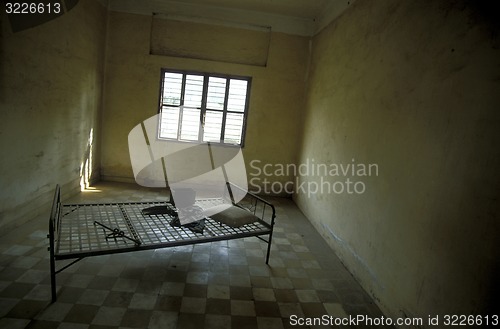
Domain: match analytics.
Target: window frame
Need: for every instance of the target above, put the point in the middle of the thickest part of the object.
(203, 108)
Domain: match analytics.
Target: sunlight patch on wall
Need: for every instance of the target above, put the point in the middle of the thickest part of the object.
(86, 166)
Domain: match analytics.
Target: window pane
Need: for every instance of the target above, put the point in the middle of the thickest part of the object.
(234, 128)
(237, 95)
(186, 96)
(194, 91)
(216, 93)
(169, 122)
(172, 86)
(213, 126)
(190, 124)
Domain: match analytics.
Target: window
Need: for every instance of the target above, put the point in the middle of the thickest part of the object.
(202, 107)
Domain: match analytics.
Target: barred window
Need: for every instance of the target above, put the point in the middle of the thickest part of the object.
(203, 107)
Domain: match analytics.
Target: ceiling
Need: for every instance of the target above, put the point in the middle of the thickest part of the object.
(301, 17)
(308, 9)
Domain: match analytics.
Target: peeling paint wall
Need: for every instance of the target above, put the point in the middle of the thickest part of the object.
(412, 86)
(132, 89)
(50, 100)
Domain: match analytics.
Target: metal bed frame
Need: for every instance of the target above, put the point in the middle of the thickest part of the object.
(77, 231)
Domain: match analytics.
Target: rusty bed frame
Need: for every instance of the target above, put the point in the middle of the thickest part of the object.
(77, 231)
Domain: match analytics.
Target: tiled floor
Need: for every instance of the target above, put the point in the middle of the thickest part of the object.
(216, 285)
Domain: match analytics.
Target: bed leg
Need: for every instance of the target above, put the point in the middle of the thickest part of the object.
(52, 268)
(53, 279)
(54, 218)
(269, 247)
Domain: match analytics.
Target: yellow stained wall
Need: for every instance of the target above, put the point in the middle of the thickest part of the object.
(132, 89)
(50, 100)
(412, 86)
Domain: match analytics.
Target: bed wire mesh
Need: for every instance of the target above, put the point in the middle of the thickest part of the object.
(86, 229)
